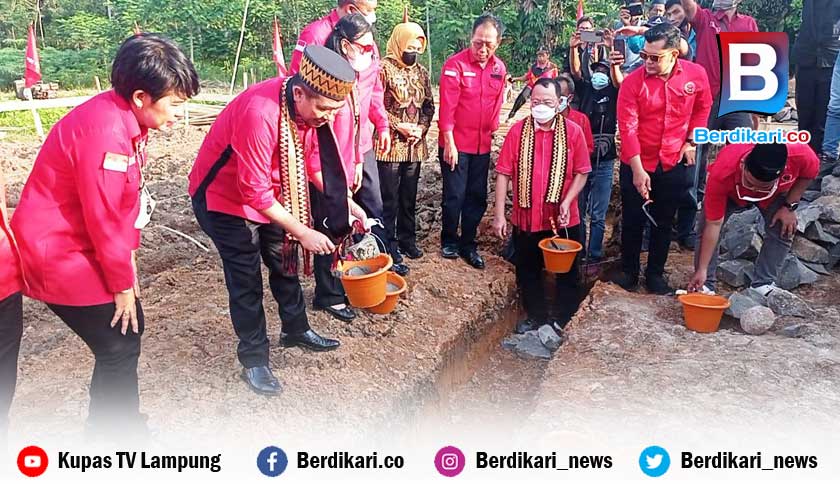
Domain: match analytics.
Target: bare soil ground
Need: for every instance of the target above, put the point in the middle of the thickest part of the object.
(188, 369)
(434, 362)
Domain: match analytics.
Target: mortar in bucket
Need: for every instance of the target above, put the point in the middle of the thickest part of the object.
(559, 253)
(365, 281)
(395, 286)
(703, 312)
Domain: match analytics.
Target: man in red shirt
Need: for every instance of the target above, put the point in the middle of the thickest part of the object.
(11, 314)
(771, 176)
(80, 214)
(546, 182)
(658, 108)
(567, 95)
(249, 190)
(471, 95)
(723, 17)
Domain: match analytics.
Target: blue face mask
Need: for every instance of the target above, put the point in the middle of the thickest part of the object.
(600, 80)
(636, 43)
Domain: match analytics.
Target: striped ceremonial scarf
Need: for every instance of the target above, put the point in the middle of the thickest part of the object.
(557, 173)
(294, 189)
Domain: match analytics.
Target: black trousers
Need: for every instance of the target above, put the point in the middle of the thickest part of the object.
(541, 302)
(369, 196)
(114, 395)
(667, 190)
(11, 330)
(813, 90)
(399, 202)
(328, 288)
(464, 199)
(523, 96)
(242, 244)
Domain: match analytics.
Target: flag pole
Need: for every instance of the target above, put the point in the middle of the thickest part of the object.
(239, 47)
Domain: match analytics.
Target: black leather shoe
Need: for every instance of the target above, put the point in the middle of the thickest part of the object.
(449, 253)
(345, 314)
(309, 340)
(261, 380)
(400, 269)
(656, 284)
(526, 325)
(626, 281)
(412, 252)
(474, 259)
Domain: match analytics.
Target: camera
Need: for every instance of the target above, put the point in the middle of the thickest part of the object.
(636, 9)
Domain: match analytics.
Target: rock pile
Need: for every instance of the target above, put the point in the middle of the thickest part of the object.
(537, 344)
(816, 246)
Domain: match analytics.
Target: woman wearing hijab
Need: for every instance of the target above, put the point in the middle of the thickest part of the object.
(410, 104)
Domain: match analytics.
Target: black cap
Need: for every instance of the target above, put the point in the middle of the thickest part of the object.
(766, 162)
(543, 50)
(599, 63)
(654, 21)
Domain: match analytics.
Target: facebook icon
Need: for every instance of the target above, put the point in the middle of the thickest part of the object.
(272, 461)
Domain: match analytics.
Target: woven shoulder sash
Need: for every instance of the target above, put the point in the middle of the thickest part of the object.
(559, 160)
(294, 190)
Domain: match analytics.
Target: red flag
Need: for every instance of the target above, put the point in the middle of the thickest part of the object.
(580, 9)
(32, 73)
(277, 48)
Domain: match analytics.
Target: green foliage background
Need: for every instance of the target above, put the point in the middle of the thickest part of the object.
(80, 36)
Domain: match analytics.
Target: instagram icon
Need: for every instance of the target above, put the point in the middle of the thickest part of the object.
(450, 461)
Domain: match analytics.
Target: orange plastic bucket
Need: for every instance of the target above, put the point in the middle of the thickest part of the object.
(366, 290)
(703, 312)
(391, 296)
(559, 254)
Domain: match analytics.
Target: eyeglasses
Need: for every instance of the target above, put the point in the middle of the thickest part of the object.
(480, 43)
(767, 194)
(364, 48)
(654, 57)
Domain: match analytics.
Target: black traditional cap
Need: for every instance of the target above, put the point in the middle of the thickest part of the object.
(654, 21)
(766, 162)
(543, 50)
(326, 72)
(657, 2)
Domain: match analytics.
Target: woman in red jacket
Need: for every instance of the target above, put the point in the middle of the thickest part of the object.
(11, 313)
(80, 214)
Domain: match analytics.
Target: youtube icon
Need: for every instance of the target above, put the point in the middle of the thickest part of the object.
(32, 461)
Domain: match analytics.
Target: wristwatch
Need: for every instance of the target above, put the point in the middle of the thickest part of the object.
(791, 206)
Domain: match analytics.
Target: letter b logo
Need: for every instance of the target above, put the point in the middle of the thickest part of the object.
(754, 72)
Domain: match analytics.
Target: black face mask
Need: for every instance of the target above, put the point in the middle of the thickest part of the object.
(409, 58)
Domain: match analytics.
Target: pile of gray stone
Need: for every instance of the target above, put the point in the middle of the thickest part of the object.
(537, 344)
(816, 246)
(815, 252)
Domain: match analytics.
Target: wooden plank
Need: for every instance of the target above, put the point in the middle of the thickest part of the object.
(60, 102)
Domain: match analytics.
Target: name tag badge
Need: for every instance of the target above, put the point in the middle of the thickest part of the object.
(116, 162)
(468, 74)
(496, 76)
(449, 73)
(147, 207)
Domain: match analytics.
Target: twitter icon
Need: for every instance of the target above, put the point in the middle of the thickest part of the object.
(654, 461)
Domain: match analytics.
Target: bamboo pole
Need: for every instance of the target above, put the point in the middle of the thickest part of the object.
(239, 47)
